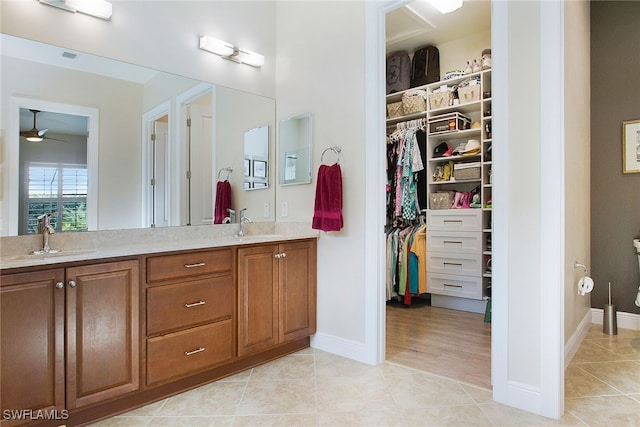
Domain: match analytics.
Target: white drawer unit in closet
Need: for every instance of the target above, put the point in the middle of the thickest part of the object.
(454, 254)
(460, 264)
(454, 219)
(455, 285)
(460, 242)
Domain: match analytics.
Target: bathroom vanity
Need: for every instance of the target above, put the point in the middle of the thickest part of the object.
(89, 333)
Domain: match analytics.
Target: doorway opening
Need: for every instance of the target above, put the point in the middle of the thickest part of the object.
(442, 326)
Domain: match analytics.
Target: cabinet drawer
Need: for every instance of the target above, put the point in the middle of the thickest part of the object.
(461, 264)
(185, 352)
(455, 219)
(467, 242)
(172, 307)
(191, 264)
(454, 285)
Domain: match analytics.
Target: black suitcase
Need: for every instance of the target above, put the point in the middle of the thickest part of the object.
(425, 66)
(398, 71)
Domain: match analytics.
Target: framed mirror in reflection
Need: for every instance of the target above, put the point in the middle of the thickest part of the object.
(256, 158)
(145, 155)
(295, 149)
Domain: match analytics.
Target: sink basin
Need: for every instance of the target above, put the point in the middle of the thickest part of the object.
(54, 253)
(43, 252)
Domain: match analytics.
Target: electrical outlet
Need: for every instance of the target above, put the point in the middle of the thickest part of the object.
(284, 210)
(265, 210)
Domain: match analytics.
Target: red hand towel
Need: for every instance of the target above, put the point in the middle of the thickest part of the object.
(223, 201)
(327, 212)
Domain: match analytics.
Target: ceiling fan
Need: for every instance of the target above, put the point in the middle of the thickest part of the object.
(35, 135)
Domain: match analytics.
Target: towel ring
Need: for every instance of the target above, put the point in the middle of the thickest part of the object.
(337, 149)
(228, 170)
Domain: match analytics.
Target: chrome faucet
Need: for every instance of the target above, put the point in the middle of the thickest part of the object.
(231, 218)
(243, 219)
(45, 228)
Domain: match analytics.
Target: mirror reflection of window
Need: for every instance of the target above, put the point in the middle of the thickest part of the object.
(295, 148)
(53, 170)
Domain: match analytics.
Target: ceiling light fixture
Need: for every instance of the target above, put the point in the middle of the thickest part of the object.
(231, 52)
(446, 6)
(99, 8)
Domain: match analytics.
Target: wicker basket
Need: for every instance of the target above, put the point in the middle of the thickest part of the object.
(440, 100)
(469, 93)
(413, 104)
(394, 110)
(462, 171)
(441, 200)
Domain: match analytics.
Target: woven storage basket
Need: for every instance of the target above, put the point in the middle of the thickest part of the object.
(464, 171)
(441, 200)
(469, 93)
(440, 100)
(413, 104)
(394, 109)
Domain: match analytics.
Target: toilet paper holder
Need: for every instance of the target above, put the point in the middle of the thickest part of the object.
(576, 264)
(585, 284)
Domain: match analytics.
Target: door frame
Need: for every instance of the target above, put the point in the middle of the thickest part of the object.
(148, 119)
(547, 396)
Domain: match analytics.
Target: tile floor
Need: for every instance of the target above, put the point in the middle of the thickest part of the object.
(314, 388)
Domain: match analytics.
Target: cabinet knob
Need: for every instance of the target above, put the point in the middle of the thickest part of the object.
(280, 255)
(60, 285)
(72, 283)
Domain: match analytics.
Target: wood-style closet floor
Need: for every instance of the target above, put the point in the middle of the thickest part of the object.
(451, 343)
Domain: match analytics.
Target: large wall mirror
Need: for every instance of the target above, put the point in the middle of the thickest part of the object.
(143, 148)
(295, 149)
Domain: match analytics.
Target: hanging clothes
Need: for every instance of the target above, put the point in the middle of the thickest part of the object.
(223, 201)
(405, 169)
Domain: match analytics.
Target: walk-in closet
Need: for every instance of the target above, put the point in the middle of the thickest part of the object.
(439, 189)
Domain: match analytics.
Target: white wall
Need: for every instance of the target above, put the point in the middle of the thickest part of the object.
(578, 170)
(320, 69)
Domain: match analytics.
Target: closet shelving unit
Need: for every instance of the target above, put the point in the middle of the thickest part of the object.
(471, 282)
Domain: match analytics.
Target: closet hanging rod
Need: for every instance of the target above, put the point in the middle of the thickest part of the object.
(336, 149)
(227, 169)
(410, 124)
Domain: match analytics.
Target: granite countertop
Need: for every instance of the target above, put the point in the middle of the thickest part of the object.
(15, 251)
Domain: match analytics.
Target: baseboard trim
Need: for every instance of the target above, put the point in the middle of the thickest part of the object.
(573, 344)
(624, 320)
(350, 349)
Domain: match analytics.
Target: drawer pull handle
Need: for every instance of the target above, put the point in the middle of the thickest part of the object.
(457, 264)
(456, 221)
(452, 242)
(194, 304)
(452, 286)
(189, 353)
(198, 264)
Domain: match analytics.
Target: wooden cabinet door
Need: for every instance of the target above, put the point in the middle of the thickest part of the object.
(297, 290)
(257, 299)
(102, 332)
(32, 341)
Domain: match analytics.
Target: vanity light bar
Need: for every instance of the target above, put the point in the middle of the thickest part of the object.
(99, 8)
(231, 52)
